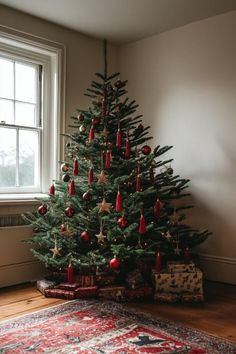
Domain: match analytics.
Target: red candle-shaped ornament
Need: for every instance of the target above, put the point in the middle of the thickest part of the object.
(91, 134)
(108, 159)
(104, 106)
(75, 167)
(142, 224)
(119, 138)
(127, 148)
(90, 176)
(158, 262)
(187, 255)
(70, 274)
(72, 187)
(157, 208)
(52, 190)
(118, 201)
(138, 183)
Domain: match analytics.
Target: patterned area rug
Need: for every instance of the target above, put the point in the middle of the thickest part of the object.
(92, 327)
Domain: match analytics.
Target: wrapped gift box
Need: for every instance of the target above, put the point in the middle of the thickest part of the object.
(184, 282)
(86, 292)
(167, 297)
(134, 279)
(139, 293)
(44, 284)
(68, 286)
(60, 293)
(105, 279)
(116, 293)
(179, 267)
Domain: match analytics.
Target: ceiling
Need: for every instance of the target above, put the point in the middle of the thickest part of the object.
(122, 21)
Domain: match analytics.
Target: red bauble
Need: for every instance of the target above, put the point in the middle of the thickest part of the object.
(69, 212)
(80, 117)
(75, 167)
(64, 167)
(114, 263)
(146, 150)
(85, 236)
(96, 120)
(122, 222)
(52, 190)
(42, 209)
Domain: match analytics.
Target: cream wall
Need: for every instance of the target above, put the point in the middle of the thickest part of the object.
(185, 83)
(83, 59)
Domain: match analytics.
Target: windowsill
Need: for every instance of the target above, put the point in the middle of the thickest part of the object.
(10, 199)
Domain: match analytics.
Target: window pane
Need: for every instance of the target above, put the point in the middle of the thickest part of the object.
(6, 81)
(28, 158)
(6, 111)
(25, 114)
(25, 83)
(7, 157)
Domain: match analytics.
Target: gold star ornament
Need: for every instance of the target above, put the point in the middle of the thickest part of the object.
(102, 178)
(101, 238)
(104, 206)
(56, 251)
(105, 132)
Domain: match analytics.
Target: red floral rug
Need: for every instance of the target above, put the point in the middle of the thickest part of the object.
(93, 327)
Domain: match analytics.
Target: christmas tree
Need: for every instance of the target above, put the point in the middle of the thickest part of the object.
(118, 202)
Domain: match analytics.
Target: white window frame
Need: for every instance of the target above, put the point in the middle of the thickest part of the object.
(51, 58)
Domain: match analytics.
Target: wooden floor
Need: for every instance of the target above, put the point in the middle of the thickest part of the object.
(217, 315)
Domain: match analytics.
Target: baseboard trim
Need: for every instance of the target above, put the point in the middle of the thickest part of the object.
(12, 274)
(217, 268)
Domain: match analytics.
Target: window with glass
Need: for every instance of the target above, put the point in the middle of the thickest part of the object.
(20, 125)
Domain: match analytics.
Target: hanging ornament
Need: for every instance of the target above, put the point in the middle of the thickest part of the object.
(119, 138)
(56, 251)
(104, 132)
(65, 231)
(101, 237)
(168, 236)
(108, 157)
(102, 178)
(177, 250)
(70, 274)
(75, 167)
(66, 178)
(52, 190)
(82, 128)
(118, 84)
(140, 127)
(114, 263)
(118, 202)
(64, 167)
(104, 206)
(104, 106)
(85, 236)
(42, 209)
(146, 150)
(157, 208)
(152, 175)
(80, 117)
(91, 134)
(187, 256)
(90, 176)
(122, 222)
(69, 212)
(96, 120)
(142, 224)
(87, 196)
(72, 188)
(127, 146)
(158, 262)
(138, 183)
